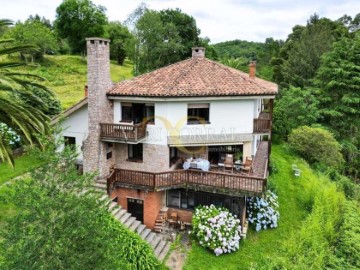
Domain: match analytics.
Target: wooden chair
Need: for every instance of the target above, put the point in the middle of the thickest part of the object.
(173, 219)
(229, 162)
(247, 167)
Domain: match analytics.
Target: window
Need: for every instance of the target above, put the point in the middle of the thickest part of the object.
(135, 152)
(126, 112)
(69, 141)
(109, 150)
(198, 113)
(181, 198)
(150, 113)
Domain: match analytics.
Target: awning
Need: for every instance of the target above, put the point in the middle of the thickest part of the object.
(209, 139)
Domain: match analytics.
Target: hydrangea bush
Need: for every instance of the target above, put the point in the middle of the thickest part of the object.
(263, 211)
(10, 136)
(216, 229)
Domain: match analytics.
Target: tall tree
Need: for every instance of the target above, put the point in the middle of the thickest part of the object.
(20, 108)
(121, 41)
(302, 51)
(78, 19)
(36, 33)
(338, 81)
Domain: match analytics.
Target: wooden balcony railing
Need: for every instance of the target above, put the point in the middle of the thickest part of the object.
(224, 183)
(122, 132)
(262, 125)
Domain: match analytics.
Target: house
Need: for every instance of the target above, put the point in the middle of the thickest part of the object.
(196, 114)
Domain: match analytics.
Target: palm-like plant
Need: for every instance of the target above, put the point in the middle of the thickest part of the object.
(20, 108)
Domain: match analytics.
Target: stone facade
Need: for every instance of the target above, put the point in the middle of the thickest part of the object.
(155, 158)
(153, 202)
(99, 107)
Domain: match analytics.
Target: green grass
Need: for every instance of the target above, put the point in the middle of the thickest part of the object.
(255, 251)
(66, 75)
(22, 165)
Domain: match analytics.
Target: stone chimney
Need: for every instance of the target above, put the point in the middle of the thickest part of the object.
(198, 52)
(252, 69)
(99, 107)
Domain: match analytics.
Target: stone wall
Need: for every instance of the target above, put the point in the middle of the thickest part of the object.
(155, 158)
(152, 202)
(99, 107)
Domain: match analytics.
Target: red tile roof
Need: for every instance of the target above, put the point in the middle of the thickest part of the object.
(194, 77)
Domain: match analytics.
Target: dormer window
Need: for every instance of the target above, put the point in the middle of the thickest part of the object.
(198, 113)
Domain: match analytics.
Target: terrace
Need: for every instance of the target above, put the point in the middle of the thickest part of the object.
(215, 180)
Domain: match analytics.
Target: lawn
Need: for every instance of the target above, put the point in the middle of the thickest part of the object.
(258, 247)
(66, 75)
(22, 165)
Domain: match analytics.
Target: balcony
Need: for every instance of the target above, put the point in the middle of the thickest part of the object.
(209, 181)
(263, 123)
(122, 132)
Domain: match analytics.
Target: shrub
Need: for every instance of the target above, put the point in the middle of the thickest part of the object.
(316, 145)
(263, 211)
(217, 229)
(10, 136)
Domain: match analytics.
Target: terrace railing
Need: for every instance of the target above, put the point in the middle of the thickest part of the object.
(225, 183)
(122, 132)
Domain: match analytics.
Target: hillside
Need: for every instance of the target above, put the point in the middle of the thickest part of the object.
(243, 52)
(310, 214)
(66, 76)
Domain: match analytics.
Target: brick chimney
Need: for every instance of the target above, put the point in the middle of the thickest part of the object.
(99, 109)
(198, 52)
(252, 69)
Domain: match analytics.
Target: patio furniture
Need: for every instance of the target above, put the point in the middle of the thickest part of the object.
(296, 170)
(247, 167)
(197, 163)
(229, 162)
(173, 220)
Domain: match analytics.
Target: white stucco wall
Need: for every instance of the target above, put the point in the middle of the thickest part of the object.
(226, 116)
(76, 125)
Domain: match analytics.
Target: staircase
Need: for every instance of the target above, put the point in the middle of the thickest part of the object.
(159, 245)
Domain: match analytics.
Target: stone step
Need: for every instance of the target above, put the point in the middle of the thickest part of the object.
(145, 233)
(120, 213)
(130, 221)
(158, 228)
(112, 206)
(125, 217)
(135, 225)
(115, 211)
(99, 186)
(104, 197)
(155, 241)
(103, 181)
(140, 229)
(164, 252)
(150, 237)
(159, 248)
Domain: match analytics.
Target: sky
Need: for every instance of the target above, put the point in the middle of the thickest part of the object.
(219, 20)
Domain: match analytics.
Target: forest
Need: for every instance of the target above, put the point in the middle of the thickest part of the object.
(316, 113)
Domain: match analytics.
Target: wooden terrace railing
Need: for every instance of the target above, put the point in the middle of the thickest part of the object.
(122, 132)
(207, 181)
(262, 125)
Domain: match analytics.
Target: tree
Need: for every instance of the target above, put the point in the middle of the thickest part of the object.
(63, 224)
(43, 20)
(120, 41)
(296, 107)
(338, 81)
(20, 108)
(161, 38)
(78, 19)
(36, 33)
(316, 145)
(303, 49)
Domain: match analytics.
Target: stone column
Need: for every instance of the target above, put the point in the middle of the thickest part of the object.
(99, 107)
